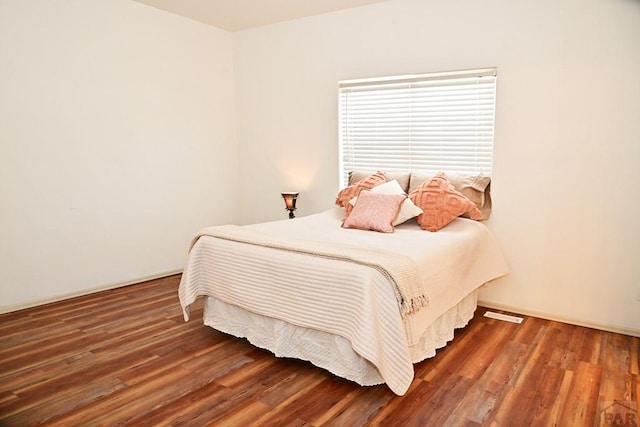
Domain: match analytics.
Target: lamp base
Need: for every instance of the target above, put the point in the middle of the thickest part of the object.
(291, 215)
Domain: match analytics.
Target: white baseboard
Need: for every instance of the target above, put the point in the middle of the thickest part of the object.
(547, 316)
(56, 298)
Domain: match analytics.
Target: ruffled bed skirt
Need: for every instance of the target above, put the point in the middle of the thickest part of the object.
(326, 350)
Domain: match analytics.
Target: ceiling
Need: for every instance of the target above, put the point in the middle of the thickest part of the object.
(236, 15)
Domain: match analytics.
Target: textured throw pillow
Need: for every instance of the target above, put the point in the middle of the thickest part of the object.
(441, 203)
(407, 210)
(374, 211)
(402, 178)
(476, 188)
(354, 189)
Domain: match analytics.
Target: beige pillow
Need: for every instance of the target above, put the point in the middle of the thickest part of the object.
(476, 188)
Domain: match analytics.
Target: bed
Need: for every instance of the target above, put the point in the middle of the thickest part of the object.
(363, 305)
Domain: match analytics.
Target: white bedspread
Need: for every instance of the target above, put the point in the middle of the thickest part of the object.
(401, 270)
(319, 293)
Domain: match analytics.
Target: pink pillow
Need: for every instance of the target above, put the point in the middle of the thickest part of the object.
(354, 189)
(374, 211)
(441, 203)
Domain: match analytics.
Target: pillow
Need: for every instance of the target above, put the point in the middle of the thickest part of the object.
(476, 188)
(441, 203)
(407, 209)
(354, 189)
(402, 178)
(374, 211)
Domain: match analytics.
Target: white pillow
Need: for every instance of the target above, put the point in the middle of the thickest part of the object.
(408, 209)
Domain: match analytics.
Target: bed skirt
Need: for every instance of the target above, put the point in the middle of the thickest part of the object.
(325, 350)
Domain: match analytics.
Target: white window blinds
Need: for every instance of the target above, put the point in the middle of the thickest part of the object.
(430, 122)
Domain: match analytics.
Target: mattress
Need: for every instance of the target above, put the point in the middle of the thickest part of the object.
(352, 302)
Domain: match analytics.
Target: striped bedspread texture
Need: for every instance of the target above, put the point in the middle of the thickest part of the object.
(399, 269)
(356, 290)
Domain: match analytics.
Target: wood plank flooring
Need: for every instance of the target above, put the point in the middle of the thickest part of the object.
(126, 357)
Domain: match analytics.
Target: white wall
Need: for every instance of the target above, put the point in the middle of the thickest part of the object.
(567, 146)
(118, 136)
(117, 142)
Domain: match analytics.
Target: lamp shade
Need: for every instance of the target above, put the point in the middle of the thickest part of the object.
(290, 198)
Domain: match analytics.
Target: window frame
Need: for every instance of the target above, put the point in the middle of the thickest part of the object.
(359, 117)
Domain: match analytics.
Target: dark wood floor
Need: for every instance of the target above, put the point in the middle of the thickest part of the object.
(127, 357)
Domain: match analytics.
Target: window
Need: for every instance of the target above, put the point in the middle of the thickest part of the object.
(428, 122)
